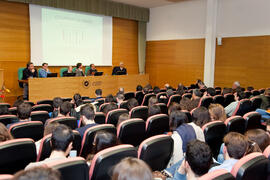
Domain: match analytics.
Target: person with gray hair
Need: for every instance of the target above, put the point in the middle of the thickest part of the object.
(235, 85)
(119, 70)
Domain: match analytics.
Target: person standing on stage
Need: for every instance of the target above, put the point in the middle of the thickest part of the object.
(28, 72)
(119, 70)
(79, 70)
(44, 71)
(92, 71)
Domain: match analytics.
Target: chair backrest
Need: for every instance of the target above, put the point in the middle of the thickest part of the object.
(30, 129)
(163, 108)
(6, 177)
(69, 121)
(205, 101)
(256, 102)
(16, 154)
(244, 106)
(87, 101)
(187, 95)
(174, 98)
(251, 166)
(103, 106)
(40, 116)
(139, 96)
(42, 107)
(139, 112)
(13, 110)
(219, 99)
(66, 99)
(255, 92)
(129, 95)
(253, 120)
(220, 174)
(30, 102)
(157, 124)
(105, 160)
(146, 99)
(236, 124)
(100, 118)
(214, 133)
(5, 104)
(228, 99)
(8, 119)
(124, 105)
(50, 102)
(20, 76)
(45, 148)
(100, 101)
(85, 97)
(112, 116)
(248, 94)
(71, 168)
(156, 151)
(62, 70)
(131, 131)
(266, 152)
(88, 137)
(87, 68)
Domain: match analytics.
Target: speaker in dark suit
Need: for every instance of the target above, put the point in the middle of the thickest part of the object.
(119, 70)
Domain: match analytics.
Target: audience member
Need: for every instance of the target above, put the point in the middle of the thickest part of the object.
(217, 112)
(152, 101)
(153, 110)
(132, 169)
(185, 104)
(250, 88)
(196, 94)
(231, 107)
(65, 109)
(174, 107)
(265, 99)
(260, 137)
(180, 89)
(226, 91)
(201, 116)
(79, 70)
(169, 93)
(109, 99)
(42, 173)
(44, 71)
(76, 97)
(4, 133)
(24, 112)
(61, 142)
(17, 102)
(110, 107)
(57, 102)
(139, 88)
(98, 93)
(120, 98)
(122, 118)
(235, 85)
(132, 103)
(156, 90)
(121, 90)
(87, 119)
(4, 110)
(210, 91)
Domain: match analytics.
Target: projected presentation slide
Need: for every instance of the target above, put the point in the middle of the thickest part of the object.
(62, 37)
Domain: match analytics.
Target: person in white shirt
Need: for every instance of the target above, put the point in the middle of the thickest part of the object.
(232, 107)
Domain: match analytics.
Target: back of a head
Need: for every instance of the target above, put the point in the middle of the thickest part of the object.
(250, 88)
(79, 102)
(169, 93)
(177, 118)
(17, 102)
(50, 127)
(217, 112)
(62, 136)
(240, 95)
(42, 173)
(201, 116)
(4, 134)
(153, 110)
(199, 157)
(184, 103)
(120, 96)
(260, 137)
(109, 98)
(65, 108)
(110, 107)
(123, 117)
(24, 111)
(98, 92)
(132, 169)
(57, 101)
(180, 90)
(139, 88)
(4, 110)
(236, 144)
(88, 112)
(197, 92)
(174, 107)
(78, 65)
(156, 90)
(103, 140)
(211, 91)
(153, 100)
(132, 103)
(145, 90)
(76, 97)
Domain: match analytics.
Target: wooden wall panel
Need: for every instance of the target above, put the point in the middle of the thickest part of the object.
(175, 61)
(15, 44)
(243, 59)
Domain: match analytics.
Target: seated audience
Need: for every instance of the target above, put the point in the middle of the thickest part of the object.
(260, 137)
(4, 133)
(132, 103)
(79, 70)
(4, 110)
(210, 92)
(196, 94)
(44, 71)
(250, 88)
(122, 118)
(235, 85)
(57, 101)
(110, 107)
(98, 93)
(68, 71)
(226, 91)
(180, 89)
(92, 71)
(24, 112)
(87, 118)
(17, 102)
(102, 140)
(65, 109)
(156, 90)
(61, 142)
(265, 99)
(42, 173)
(132, 169)
(109, 99)
(235, 147)
(217, 112)
(231, 107)
(152, 101)
(121, 90)
(200, 84)
(174, 107)
(153, 110)
(120, 98)
(139, 88)
(185, 104)
(75, 98)
(201, 116)
(169, 93)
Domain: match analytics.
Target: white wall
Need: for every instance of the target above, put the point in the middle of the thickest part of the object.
(185, 20)
(243, 18)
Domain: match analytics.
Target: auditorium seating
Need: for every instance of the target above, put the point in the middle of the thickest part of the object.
(236, 124)
(256, 103)
(221, 174)
(42, 107)
(100, 118)
(251, 166)
(244, 106)
(146, 99)
(6, 177)
(187, 95)
(100, 101)
(30, 129)
(255, 92)
(219, 99)
(40, 116)
(13, 110)
(266, 152)
(156, 151)
(139, 96)
(88, 138)
(228, 99)
(129, 95)
(85, 97)
(50, 102)
(131, 131)
(45, 148)
(103, 106)
(71, 168)
(214, 133)
(139, 112)
(87, 101)
(62, 70)
(248, 94)
(174, 98)
(66, 99)
(163, 108)
(16, 154)
(112, 116)
(159, 95)
(103, 162)
(253, 120)
(8, 119)
(157, 124)
(5, 104)
(205, 101)
(69, 121)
